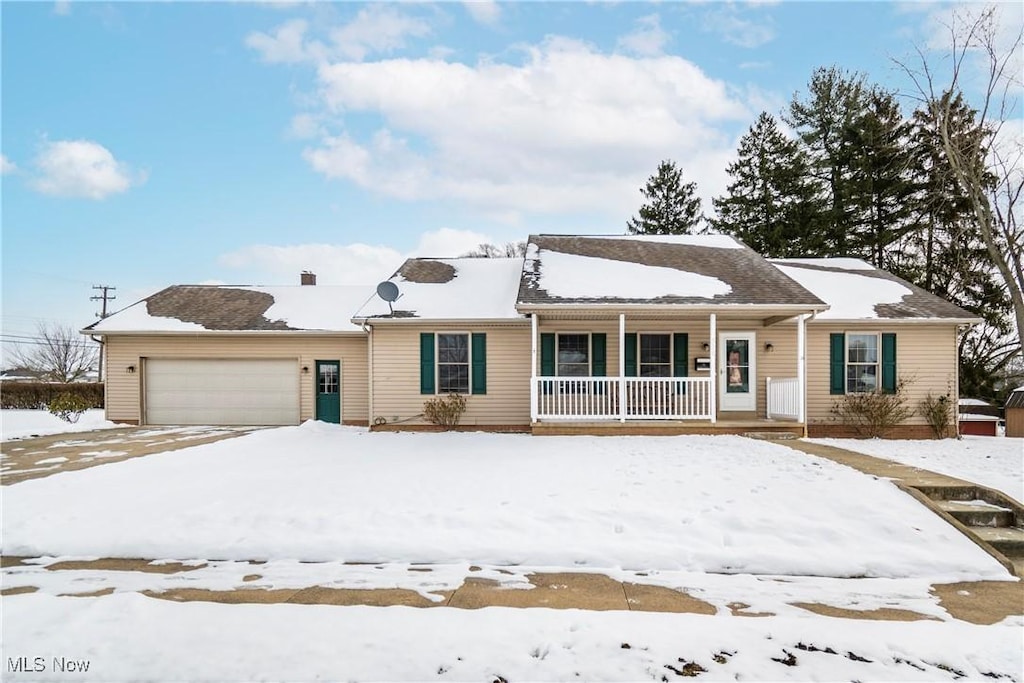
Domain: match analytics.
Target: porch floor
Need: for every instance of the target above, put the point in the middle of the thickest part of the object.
(665, 427)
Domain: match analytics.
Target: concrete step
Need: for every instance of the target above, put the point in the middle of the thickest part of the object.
(959, 493)
(1007, 540)
(977, 513)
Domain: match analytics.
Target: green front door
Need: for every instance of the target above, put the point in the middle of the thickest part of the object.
(328, 391)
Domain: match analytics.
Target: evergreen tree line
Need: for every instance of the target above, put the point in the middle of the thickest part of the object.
(858, 177)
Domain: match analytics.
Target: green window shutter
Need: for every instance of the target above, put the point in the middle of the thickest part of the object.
(680, 358)
(426, 362)
(630, 354)
(479, 372)
(837, 363)
(599, 358)
(547, 354)
(889, 363)
(598, 354)
(680, 354)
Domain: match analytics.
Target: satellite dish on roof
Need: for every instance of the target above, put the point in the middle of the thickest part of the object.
(388, 291)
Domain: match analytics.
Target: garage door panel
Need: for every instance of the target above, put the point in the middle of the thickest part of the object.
(222, 391)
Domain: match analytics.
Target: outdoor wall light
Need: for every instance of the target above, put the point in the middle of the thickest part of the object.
(305, 369)
(706, 346)
(130, 369)
(769, 347)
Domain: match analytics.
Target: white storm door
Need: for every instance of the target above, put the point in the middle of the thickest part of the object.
(737, 371)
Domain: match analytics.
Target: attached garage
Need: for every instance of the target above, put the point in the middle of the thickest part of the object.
(189, 391)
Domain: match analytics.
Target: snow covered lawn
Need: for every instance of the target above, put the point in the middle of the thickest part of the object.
(131, 637)
(997, 462)
(19, 424)
(327, 493)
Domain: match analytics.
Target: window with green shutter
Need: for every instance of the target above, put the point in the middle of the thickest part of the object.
(453, 363)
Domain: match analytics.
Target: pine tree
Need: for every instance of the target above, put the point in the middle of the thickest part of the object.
(823, 122)
(772, 203)
(881, 182)
(672, 206)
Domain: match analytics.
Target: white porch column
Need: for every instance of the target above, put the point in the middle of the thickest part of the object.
(622, 367)
(713, 343)
(801, 366)
(533, 367)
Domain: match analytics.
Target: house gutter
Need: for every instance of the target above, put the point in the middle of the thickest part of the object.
(673, 308)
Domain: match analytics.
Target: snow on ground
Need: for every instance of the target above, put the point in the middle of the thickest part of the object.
(327, 493)
(19, 424)
(996, 462)
(131, 637)
(762, 594)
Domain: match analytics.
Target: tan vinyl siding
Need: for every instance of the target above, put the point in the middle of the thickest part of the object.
(396, 372)
(926, 360)
(124, 389)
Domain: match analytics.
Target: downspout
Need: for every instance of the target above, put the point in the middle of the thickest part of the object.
(368, 329)
(100, 374)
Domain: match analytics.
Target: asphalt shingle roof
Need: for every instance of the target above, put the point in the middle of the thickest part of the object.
(751, 279)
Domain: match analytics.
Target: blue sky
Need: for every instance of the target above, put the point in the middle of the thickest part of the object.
(148, 144)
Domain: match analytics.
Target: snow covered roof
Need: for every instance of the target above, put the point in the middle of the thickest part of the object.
(221, 308)
(451, 289)
(653, 269)
(856, 290)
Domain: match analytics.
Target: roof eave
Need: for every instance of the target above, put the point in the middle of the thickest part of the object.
(232, 333)
(933, 321)
(371, 321)
(796, 309)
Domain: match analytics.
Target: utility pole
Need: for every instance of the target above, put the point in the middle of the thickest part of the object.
(104, 297)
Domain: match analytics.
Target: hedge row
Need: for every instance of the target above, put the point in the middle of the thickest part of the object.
(37, 395)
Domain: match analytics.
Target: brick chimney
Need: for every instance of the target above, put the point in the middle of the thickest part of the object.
(308, 278)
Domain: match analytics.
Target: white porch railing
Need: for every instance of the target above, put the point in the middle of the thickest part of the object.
(783, 398)
(644, 398)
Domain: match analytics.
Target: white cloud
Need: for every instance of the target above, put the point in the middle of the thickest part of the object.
(81, 168)
(6, 165)
(344, 264)
(725, 20)
(568, 128)
(62, 8)
(648, 39)
(286, 44)
(374, 29)
(483, 11)
(305, 126)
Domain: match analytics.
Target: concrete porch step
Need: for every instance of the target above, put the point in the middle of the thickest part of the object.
(949, 492)
(1007, 540)
(977, 513)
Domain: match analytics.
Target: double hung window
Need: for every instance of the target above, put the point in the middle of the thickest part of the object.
(453, 363)
(862, 363)
(573, 357)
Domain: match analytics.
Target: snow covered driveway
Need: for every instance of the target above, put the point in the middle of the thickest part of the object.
(320, 492)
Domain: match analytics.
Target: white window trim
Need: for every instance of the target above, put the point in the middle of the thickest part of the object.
(847, 363)
(590, 354)
(437, 361)
(671, 352)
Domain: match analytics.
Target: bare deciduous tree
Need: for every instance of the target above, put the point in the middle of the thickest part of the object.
(507, 250)
(59, 355)
(986, 165)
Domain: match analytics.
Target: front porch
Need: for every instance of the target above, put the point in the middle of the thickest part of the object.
(729, 392)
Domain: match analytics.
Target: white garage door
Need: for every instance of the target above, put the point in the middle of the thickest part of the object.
(222, 392)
